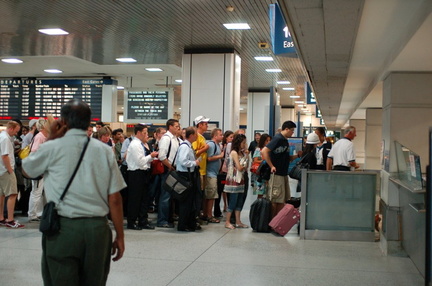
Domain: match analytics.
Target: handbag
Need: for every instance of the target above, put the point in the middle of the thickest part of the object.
(177, 185)
(263, 172)
(157, 167)
(254, 167)
(296, 171)
(50, 220)
(23, 153)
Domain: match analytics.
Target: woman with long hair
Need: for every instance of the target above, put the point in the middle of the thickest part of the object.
(260, 188)
(237, 165)
(227, 138)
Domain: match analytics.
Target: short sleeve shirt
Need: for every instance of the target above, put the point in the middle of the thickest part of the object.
(342, 152)
(98, 175)
(197, 145)
(6, 148)
(280, 154)
(213, 166)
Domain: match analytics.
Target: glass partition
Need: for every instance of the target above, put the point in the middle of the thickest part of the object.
(340, 201)
(409, 168)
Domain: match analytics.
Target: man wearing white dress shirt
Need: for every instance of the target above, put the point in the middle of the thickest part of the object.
(138, 160)
(168, 146)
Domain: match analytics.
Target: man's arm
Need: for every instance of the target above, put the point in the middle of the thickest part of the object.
(354, 164)
(265, 152)
(202, 150)
(116, 212)
(329, 164)
(6, 163)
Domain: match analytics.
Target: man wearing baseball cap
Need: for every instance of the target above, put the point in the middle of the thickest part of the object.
(200, 146)
(28, 138)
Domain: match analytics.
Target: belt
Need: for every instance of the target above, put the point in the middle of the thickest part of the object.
(341, 168)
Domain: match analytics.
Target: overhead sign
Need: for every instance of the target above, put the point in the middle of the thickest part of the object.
(282, 43)
(310, 97)
(27, 99)
(147, 106)
(317, 112)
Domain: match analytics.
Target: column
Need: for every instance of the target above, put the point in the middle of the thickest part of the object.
(211, 87)
(373, 140)
(407, 109)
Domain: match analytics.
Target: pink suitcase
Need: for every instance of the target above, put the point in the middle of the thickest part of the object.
(285, 219)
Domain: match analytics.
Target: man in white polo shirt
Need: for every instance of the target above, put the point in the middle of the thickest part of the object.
(342, 156)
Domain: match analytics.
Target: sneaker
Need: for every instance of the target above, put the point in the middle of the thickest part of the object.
(14, 224)
(34, 219)
(3, 222)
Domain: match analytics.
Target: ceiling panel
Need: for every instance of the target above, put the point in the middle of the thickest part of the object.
(153, 32)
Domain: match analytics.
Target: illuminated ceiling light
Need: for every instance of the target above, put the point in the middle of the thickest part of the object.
(273, 70)
(53, 32)
(154, 69)
(126, 60)
(120, 87)
(288, 88)
(264, 59)
(241, 108)
(12, 61)
(299, 101)
(237, 26)
(308, 113)
(283, 82)
(294, 96)
(179, 80)
(53, 71)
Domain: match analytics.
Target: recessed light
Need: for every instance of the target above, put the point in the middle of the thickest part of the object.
(273, 70)
(53, 32)
(126, 60)
(264, 59)
(288, 88)
(299, 101)
(12, 61)
(53, 71)
(153, 69)
(120, 87)
(179, 80)
(237, 26)
(294, 96)
(283, 82)
(300, 105)
(241, 108)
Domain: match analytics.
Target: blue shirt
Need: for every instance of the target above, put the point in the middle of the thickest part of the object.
(213, 166)
(185, 157)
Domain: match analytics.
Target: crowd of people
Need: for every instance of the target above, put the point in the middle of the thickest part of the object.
(115, 177)
(218, 168)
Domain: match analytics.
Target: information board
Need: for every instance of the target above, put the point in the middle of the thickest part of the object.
(27, 99)
(147, 106)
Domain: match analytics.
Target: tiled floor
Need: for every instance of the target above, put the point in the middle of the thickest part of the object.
(218, 256)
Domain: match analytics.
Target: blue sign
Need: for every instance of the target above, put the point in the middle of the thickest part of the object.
(310, 98)
(317, 112)
(282, 42)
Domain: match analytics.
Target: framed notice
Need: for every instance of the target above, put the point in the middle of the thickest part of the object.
(147, 106)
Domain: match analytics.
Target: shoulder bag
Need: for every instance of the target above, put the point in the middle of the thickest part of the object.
(295, 172)
(50, 221)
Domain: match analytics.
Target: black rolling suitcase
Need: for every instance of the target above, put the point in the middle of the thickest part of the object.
(260, 215)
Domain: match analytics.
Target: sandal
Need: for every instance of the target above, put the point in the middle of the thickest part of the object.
(241, 226)
(229, 226)
(213, 220)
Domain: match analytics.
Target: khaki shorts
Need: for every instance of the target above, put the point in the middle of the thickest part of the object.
(278, 189)
(211, 188)
(8, 184)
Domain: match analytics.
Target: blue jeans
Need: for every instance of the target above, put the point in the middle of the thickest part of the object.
(164, 203)
(235, 202)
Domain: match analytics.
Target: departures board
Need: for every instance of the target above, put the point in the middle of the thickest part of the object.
(26, 99)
